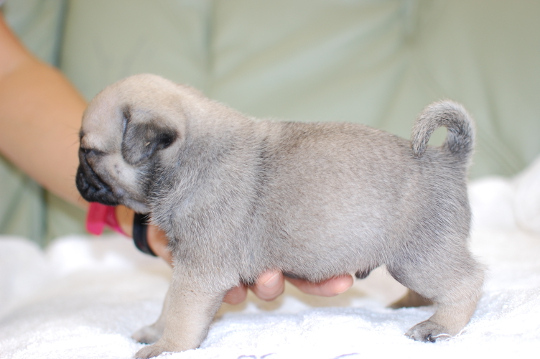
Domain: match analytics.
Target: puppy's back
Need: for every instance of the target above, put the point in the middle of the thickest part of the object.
(355, 192)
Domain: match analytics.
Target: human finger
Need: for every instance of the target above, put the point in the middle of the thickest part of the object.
(269, 285)
(236, 295)
(327, 288)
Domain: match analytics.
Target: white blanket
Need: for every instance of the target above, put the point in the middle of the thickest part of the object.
(84, 296)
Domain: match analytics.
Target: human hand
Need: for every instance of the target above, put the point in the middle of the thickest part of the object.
(157, 240)
(271, 284)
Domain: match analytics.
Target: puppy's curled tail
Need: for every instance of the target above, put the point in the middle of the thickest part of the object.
(460, 138)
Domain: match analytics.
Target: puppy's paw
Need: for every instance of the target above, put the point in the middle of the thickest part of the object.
(147, 335)
(428, 331)
(151, 351)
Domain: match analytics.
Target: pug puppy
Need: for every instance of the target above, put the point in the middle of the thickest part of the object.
(238, 196)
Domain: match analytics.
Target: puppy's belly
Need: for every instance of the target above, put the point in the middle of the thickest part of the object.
(359, 274)
(328, 266)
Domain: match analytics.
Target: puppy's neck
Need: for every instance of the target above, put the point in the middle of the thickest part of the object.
(208, 119)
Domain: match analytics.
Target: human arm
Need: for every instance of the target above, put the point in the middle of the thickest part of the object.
(40, 116)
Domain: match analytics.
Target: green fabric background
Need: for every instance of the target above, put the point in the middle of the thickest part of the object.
(374, 62)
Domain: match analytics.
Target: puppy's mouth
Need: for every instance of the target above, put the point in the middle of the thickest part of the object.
(90, 185)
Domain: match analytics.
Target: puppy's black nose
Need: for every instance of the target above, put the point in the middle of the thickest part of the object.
(91, 187)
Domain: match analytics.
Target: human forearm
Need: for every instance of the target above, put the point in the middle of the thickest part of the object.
(40, 114)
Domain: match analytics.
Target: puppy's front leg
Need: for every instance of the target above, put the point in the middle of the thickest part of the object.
(151, 333)
(188, 314)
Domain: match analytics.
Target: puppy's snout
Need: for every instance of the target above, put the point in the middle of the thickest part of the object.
(91, 187)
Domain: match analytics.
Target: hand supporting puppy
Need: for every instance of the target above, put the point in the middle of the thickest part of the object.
(270, 284)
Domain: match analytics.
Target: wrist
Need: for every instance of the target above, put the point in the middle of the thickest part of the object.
(131, 224)
(148, 239)
(125, 216)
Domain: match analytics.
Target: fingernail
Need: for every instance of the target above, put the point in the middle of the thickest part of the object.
(272, 281)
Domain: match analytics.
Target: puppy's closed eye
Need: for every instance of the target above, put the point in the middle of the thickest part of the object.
(165, 139)
(91, 152)
(142, 140)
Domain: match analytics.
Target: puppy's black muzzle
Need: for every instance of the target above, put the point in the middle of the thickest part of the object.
(91, 187)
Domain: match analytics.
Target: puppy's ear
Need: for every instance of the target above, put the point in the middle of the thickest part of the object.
(142, 140)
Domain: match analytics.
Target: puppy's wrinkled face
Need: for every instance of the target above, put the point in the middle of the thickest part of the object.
(124, 136)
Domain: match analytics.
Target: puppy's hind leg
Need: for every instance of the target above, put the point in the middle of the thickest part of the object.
(411, 299)
(452, 281)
